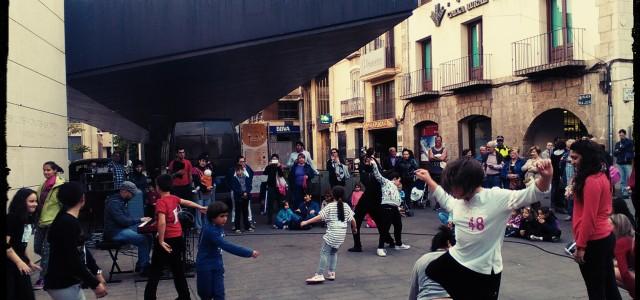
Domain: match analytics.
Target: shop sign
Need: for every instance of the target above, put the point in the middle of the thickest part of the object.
(284, 129)
(326, 119)
(584, 99)
(627, 94)
(465, 8)
(437, 14)
(380, 124)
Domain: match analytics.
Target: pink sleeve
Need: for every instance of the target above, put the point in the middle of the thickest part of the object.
(591, 201)
(622, 246)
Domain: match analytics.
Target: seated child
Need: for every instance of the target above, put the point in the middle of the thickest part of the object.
(513, 223)
(308, 209)
(547, 229)
(528, 223)
(355, 198)
(209, 265)
(285, 217)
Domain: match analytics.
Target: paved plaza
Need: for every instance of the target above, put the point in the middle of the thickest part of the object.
(288, 257)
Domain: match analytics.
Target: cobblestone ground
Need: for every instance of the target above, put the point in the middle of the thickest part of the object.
(288, 257)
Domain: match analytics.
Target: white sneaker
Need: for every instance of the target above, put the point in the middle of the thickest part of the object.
(331, 276)
(381, 252)
(318, 278)
(403, 247)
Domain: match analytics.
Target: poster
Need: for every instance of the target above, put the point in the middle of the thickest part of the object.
(255, 148)
(427, 140)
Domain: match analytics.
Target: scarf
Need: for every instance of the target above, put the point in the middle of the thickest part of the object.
(46, 188)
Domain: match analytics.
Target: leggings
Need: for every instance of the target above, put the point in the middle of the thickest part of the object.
(461, 282)
(597, 270)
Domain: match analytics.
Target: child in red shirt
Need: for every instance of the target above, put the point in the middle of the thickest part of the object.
(169, 247)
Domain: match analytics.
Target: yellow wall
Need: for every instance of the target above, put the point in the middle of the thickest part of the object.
(36, 91)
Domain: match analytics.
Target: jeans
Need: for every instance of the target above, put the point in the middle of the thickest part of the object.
(73, 292)
(41, 247)
(142, 241)
(597, 270)
(233, 209)
(328, 258)
(491, 181)
(625, 172)
(204, 200)
(210, 284)
(174, 259)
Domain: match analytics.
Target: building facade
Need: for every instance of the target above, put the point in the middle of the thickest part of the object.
(470, 70)
(36, 91)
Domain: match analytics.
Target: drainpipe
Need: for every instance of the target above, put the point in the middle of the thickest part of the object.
(607, 88)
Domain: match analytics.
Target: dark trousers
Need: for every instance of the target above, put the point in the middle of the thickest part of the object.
(462, 283)
(273, 203)
(363, 208)
(557, 194)
(210, 284)
(183, 191)
(390, 216)
(491, 181)
(597, 270)
(18, 285)
(241, 209)
(174, 259)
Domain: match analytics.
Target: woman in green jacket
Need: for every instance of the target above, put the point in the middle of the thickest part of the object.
(48, 206)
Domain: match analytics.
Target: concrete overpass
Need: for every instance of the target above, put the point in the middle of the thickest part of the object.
(135, 67)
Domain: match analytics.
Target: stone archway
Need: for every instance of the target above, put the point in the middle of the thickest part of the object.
(424, 136)
(474, 130)
(551, 124)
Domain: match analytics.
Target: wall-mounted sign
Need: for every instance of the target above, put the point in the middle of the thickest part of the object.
(284, 129)
(437, 14)
(326, 119)
(584, 99)
(627, 94)
(254, 144)
(465, 8)
(372, 61)
(380, 124)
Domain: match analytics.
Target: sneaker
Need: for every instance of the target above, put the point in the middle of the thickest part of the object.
(237, 231)
(331, 276)
(567, 218)
(275, 226)
(285, 227)
(403, 247)
(318, 278)
(250, 229)
(535, 238)
(39, 284)
(381, 252)
(555, 238)
(355, 249)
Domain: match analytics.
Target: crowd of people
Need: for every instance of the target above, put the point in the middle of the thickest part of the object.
(506, 194)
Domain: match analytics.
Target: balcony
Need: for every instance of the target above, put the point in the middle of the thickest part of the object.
(377, 64)
(465, 73)
(421, 85)
(352, 108)
(556, 52)
(383, 111)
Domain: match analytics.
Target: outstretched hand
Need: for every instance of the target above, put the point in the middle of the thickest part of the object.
(423, 175)
(545, 168)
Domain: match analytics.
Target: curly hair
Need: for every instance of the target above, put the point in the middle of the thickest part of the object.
(591, 163)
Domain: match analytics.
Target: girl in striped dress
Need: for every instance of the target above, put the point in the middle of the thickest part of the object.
(337, 216)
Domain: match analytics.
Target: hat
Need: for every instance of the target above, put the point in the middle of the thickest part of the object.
(129, 187)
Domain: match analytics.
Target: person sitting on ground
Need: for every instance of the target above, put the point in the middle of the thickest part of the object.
(285, 217)
(209, 264)
(120, 227)
(624, 254)
(547, 229)
(308, 209)
(528, 224)
(513, 223)
(423, 287)
(472, 268)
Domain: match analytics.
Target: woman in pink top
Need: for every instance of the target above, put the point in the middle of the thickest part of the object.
(592, 229)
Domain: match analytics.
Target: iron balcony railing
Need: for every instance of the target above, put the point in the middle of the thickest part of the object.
(383, 110)
(558, 48)
(376, 60)
(420, 82)
(352, 108)
(466, 72)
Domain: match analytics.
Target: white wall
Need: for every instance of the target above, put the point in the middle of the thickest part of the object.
(36, 91)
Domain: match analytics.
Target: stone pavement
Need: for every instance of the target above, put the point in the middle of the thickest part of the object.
(288, 257)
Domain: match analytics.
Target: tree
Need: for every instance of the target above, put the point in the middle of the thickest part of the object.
(79, 148)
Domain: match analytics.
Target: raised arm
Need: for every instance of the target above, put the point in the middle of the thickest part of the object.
(535, 192)
(438, 193)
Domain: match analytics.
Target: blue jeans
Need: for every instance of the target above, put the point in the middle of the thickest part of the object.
(491, 181)
(41, 247)
(204, 200)
(210, 284)
(625, 172)
(328, 258)
(142, 241)
(73, 292)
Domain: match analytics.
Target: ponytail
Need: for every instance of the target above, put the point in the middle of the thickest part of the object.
(54, 166)
(338, 194)
(340, 210)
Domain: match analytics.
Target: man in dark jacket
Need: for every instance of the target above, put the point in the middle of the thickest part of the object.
(623, 152)
(119, 226)
(274, 171)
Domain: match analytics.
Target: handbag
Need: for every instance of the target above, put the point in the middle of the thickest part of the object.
(282, 185)
(416, 194)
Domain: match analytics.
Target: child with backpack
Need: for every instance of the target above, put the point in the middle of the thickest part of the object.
(336, 215)
(209, 264)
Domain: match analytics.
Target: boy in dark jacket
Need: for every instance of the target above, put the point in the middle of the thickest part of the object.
(241, 187)
(209, 264)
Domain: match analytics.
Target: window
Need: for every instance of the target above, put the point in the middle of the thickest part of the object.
(287, 110)
(426, 58)
(342, 144)
(383, 41)
(475, 50)
(322, 93)
(560, 20)
(359, 134)
(355, 83)
(384, 99)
